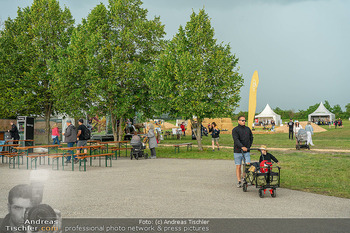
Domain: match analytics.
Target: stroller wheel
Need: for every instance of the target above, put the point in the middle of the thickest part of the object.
(297, 147)
(245, 187)
(131, 157)
(273, 193)
(261, 193)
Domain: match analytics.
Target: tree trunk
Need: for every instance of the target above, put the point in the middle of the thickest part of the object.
(114, 127)
(120, 130)
(199, 134)
(47, 123)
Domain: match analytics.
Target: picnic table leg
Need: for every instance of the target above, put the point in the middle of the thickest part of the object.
(110, 160)
(72, 160)
(63, 157)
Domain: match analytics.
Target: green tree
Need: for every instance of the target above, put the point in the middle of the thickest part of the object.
(196, 76)
(119, 46)
(347, 111)
(27, 45)
(337, 111)
(72, 85)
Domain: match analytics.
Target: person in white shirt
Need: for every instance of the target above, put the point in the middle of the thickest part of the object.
(309, 130)
(296, 129)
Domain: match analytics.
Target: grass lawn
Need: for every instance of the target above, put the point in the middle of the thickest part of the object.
(323, 173)
(332, 139)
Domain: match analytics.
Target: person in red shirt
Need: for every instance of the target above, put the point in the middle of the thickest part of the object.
(182, 126)
(55, 134)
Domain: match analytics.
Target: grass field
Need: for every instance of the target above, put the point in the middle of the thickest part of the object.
(332, 139)
(317, 172)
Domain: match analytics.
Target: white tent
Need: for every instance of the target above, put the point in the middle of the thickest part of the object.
(322, 114)
(267, 115)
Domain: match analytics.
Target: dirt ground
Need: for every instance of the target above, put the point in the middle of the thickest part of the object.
(285, 129)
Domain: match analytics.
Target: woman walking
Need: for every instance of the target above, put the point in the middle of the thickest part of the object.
(55, 134)
(215, 134)
(152, 141)
(309, 130)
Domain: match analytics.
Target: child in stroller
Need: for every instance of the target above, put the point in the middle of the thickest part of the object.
(138, 147)
(262, 174)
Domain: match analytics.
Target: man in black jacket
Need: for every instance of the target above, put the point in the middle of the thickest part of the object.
(14, 132)
(243, 140)
(291, 128)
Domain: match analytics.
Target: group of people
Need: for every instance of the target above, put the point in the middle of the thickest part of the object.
(294, 128)
(78, 136)
(150, 137)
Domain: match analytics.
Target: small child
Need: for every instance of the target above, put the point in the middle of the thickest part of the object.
(266, 156)
(265, 160)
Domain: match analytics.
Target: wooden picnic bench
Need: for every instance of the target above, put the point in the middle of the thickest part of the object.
(83, 158)
(177, 146)
(92, 149)
(116, 149)
(33, 157)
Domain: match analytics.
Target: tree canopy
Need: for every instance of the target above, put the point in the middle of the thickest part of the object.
(27, 45)
(196, 76)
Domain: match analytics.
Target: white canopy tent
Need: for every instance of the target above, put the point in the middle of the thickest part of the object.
(268, 114)
(322, 114)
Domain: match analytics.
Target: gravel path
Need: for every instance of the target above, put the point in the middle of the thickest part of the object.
(166, 188)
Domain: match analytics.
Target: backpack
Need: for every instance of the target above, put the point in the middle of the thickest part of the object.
(216, 133)
(86, 133)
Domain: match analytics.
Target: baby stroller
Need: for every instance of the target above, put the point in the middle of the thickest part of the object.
(263, 176)
(137, 151)
(301, 137)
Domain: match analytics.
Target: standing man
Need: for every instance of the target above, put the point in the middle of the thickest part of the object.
(291, 127)
(14, 131)
(82, 141)
(243, 140)
(70, 137)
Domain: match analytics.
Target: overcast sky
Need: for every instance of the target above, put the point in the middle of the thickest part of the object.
(300, 48)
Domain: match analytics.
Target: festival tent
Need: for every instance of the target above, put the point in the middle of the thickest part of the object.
(322, 114)
(267, 115)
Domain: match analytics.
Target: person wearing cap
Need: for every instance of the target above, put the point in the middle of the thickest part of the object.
(266, 156)
(243, 140)
(81, 141)
(70, 137)
(291, 127)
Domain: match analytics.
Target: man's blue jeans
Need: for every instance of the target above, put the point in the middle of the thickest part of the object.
(70, 144)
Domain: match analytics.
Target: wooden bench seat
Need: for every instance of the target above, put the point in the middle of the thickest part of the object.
(84, 158)
(177, 146)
